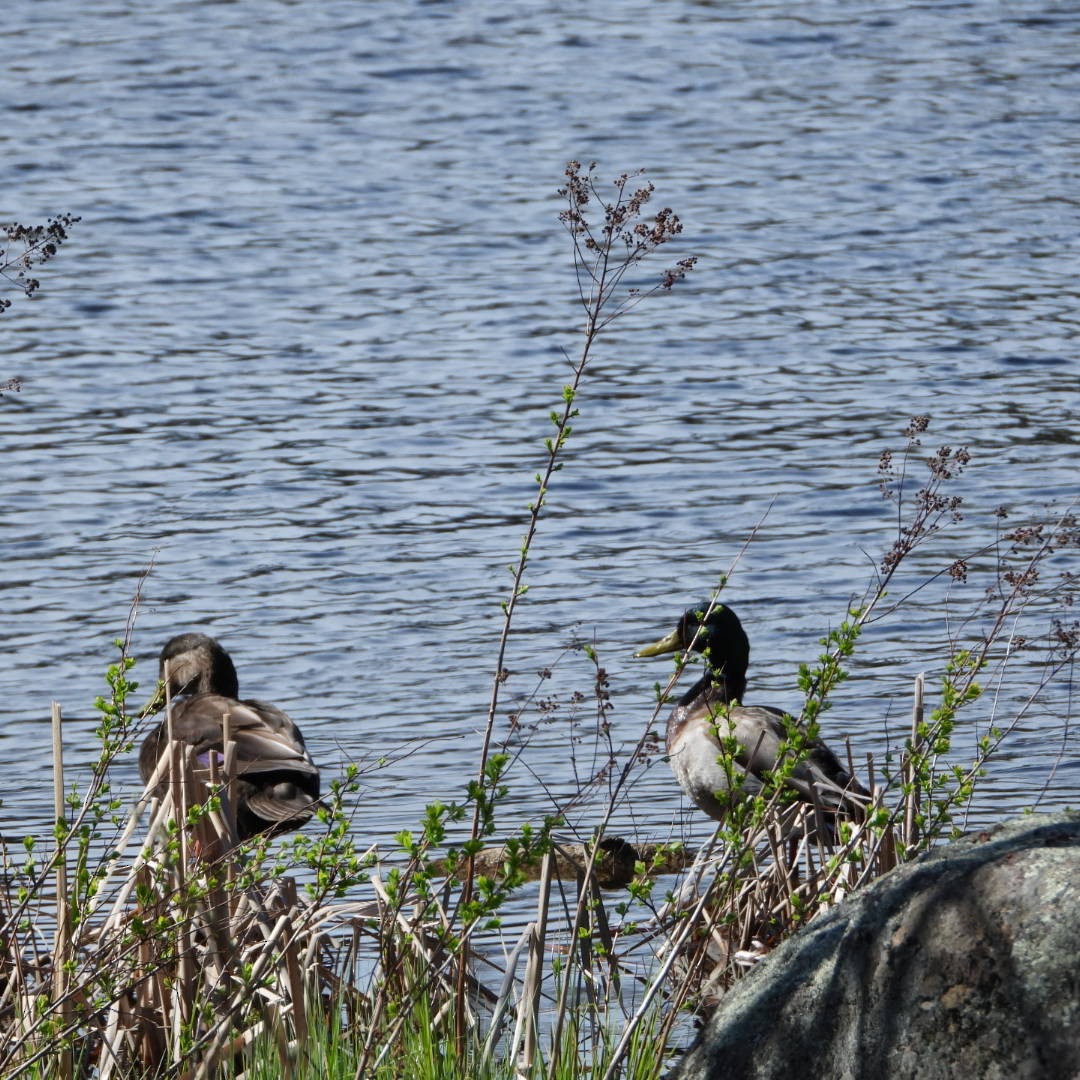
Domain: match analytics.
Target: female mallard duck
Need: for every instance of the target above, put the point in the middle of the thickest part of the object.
(709, 712)
(277, 784)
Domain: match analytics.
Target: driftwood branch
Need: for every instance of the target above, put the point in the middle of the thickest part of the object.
(615, 865)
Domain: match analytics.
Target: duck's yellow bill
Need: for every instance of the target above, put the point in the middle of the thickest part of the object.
(672, 643)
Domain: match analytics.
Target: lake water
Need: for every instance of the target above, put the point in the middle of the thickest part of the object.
(301, 349)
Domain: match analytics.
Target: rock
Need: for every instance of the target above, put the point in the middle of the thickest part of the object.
(965, 963)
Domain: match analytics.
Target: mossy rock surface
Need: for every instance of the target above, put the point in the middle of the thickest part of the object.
(964, 963)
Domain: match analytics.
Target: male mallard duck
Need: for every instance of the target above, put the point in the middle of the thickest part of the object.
(705, 714)
(277, 784)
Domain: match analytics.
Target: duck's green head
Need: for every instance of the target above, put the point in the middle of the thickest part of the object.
(718, 636)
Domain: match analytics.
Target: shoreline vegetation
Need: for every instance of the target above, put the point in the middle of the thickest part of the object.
(149, 942)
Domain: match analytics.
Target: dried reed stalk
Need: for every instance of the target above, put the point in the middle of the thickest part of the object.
(61, 949)
(191, 961)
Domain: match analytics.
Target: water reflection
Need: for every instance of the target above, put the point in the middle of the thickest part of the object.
(302, 348)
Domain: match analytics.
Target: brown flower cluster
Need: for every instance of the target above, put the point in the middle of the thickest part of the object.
(39, 243)
(622, 227)
(930, 505)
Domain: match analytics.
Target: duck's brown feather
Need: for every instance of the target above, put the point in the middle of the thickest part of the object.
(277, 782)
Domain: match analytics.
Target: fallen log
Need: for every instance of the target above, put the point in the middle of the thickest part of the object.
(614, 868)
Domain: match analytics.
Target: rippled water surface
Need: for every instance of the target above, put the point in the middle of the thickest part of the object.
(301, 349)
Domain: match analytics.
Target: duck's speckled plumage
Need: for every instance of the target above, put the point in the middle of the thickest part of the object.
(277, 783)
(711, 710)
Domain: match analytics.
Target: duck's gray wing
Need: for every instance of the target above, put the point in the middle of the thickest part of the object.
(760, 732)
(267, 740)
(819, 776)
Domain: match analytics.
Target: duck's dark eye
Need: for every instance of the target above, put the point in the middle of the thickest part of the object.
(692, 622)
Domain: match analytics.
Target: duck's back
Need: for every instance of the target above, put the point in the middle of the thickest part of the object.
(697, 747)
(267, 740)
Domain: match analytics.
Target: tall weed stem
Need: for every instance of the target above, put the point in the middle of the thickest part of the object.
(604, 253)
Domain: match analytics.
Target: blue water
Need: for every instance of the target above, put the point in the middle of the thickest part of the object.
(301, 349)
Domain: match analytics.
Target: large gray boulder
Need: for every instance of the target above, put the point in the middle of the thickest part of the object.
(966, 963)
